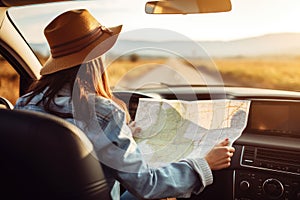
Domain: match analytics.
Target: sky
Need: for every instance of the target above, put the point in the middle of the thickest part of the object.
(248, 18)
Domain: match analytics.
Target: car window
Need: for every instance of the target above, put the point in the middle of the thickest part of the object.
(9, 81)
(257, 44)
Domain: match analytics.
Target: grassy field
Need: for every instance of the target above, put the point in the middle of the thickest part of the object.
(266, 72)
(9, 82)
(274, 73)
(263, 72)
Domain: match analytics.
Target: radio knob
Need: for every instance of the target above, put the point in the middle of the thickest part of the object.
(273, 188)
(244, 185)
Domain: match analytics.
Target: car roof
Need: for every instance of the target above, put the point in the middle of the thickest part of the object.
(10, 3)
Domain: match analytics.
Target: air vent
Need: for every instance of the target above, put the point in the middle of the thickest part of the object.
(278, 156)
(248, 155)
(271, 159)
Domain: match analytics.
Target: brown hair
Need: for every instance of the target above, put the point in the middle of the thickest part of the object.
(83, 79)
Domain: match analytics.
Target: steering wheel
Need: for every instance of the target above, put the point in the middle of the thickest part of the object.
(6, 103)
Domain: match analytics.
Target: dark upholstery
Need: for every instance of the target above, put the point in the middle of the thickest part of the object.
(42, 157)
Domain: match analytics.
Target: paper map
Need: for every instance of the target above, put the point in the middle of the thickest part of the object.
(174, 129)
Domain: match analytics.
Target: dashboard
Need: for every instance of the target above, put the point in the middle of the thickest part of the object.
(266, 164)
(269, 161)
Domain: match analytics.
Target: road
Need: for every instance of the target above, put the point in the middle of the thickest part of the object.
(172, 72)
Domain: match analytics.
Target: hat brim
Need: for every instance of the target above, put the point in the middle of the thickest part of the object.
(94, 50)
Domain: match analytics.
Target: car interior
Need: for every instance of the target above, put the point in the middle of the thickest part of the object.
(36, 163)
(266, 162)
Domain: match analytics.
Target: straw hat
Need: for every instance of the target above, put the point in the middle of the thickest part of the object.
(76, 37)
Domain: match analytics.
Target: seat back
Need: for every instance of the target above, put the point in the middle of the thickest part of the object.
(45, 157)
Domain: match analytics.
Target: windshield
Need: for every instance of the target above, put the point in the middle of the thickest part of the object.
(256, 44)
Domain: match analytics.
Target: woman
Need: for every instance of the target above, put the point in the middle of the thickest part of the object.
(74, 86)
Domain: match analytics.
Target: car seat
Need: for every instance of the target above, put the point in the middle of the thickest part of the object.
(44, 157)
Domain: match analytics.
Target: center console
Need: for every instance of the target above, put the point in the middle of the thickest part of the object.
(268, 174)
(270, 157)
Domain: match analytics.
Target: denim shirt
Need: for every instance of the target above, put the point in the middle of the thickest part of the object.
(119, 155)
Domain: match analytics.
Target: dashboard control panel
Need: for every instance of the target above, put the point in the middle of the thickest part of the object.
(255, 185)
(267, 174)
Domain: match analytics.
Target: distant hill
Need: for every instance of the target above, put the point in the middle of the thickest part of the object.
(273, 44)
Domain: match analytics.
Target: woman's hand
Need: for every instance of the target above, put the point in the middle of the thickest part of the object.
(134, 129)
(220, 156)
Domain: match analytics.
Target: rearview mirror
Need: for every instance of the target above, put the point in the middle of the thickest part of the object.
(187, 6)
